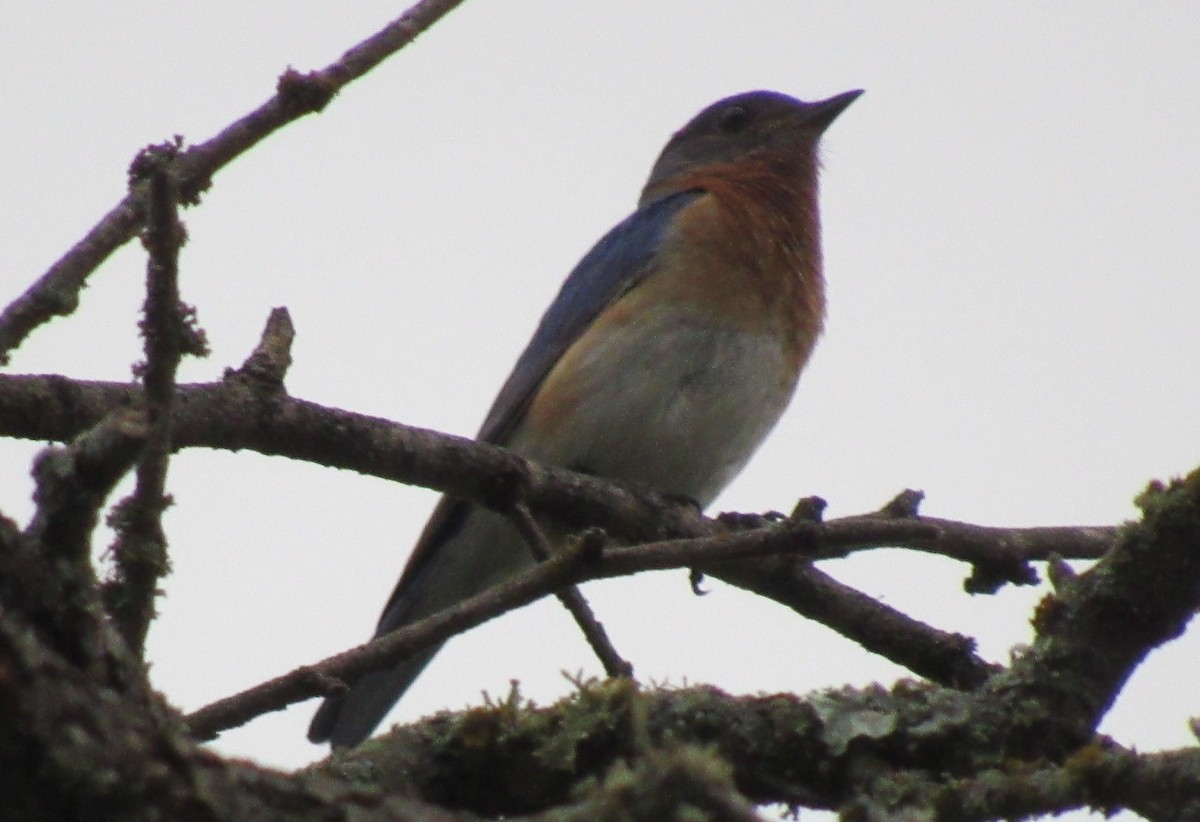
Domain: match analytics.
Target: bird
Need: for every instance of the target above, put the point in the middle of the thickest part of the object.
(667, 356)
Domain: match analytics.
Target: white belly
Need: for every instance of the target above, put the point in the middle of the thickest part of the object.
(671, 403)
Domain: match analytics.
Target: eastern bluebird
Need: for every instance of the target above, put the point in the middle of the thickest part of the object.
(670, 352)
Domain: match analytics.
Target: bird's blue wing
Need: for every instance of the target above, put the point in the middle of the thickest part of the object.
(617, 263)
(621, 260)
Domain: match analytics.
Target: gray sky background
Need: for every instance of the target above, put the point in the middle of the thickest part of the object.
(1011, 239)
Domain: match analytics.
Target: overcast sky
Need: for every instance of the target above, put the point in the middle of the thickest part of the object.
(1011, 239)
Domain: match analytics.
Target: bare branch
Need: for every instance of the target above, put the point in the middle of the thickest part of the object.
(234, 415)
(940, 656)
(579, 562)
(272, 357)
(57, 291)
(318, 679)
(571, 597)
(1000, 555)
(237, 413)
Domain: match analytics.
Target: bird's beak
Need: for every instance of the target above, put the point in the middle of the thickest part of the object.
(822, 113)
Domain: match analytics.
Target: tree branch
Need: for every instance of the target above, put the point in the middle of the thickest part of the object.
(1099, 626)
(1101, 777)
(140, 550)
(242, 412)
(580, 562)
(571, 597)
(822, 752)
(47, 573)
(245, 411)
(940, 656)
(1034, 710)
(56, 293)
(888, 753)
(73, 748)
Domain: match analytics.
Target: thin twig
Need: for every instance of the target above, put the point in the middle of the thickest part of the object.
(56, 293)
(571, 597)
(272, 357)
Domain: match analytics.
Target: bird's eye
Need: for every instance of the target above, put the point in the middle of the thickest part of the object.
(734, 118)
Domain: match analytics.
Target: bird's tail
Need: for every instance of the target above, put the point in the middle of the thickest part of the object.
(346, 719)
(448, 566)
